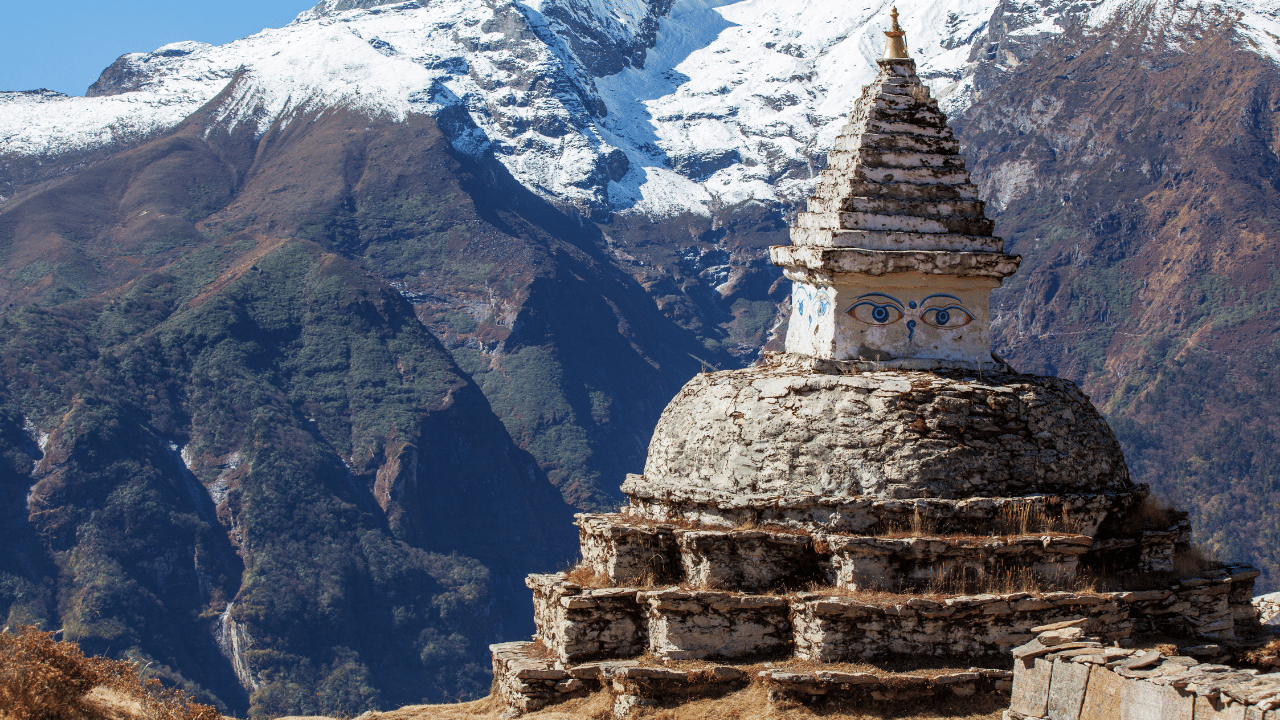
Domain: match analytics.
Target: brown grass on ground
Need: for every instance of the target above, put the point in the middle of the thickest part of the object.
(41, 679)
(751, 703)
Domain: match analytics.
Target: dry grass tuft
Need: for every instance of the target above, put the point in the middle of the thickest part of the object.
(1266, 657)
(586, 576)
(1024, 518)
(1153, 514)
(41, 679)
(1191, 561)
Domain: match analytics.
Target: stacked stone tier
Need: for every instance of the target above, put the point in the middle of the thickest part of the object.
(625, 549)
(578, 624)
(528, 680)
(862, 261)
(1090, 513)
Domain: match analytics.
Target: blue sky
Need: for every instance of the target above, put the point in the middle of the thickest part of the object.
(64, 45)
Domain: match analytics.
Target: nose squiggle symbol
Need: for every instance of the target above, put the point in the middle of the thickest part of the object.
(911, 330)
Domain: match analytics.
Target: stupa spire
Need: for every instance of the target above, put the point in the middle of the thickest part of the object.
(894, 260)
(895, 47)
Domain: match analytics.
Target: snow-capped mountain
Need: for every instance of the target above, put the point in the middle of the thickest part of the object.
(638, 106)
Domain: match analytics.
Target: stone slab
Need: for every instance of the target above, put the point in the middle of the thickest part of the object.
(1031, 684)
(1148, 701)
(1102, 696)
(1066, 690)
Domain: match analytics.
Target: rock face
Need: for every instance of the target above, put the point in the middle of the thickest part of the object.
(761, 433)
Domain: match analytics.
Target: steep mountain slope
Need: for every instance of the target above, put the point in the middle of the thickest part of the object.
(258, 467)
(1136, 171)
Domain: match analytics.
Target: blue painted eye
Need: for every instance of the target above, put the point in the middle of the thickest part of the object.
(873, 313)
(951, 316)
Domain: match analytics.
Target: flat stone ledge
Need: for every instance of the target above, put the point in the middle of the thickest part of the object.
(861, 562)
(860, 514)
(858, 261)
(804, 687)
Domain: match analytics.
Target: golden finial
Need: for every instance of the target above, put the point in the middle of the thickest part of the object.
(896, 45)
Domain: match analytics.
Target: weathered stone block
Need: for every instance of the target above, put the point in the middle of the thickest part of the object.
(526, 683)
(1066, 690)
(1102, 695)
(698, 624)
(1031, 682)
(747, 560)
(1148, 701)
(628, 552)
(580, 624)
(1217, 708)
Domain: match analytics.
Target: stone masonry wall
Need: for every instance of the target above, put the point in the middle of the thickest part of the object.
(885, 434)
(700, 624)
(842, 629)
(911, 562)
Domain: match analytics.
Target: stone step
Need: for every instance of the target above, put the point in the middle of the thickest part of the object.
(528, 681)
(894, 222)
(847, 160)
(697, 624)
(835, 192)
(749, 560)
(857, 261)
(870, 690)
(922, 124)
(879, 563)
(580, 624)
(930, 209)
(1093, 514)
(893, 240)
(628, 552)
(852, 141)
(760, 560)
(918, 175)
(978, 627)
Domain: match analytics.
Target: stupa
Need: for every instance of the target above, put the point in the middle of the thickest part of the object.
(886, 488)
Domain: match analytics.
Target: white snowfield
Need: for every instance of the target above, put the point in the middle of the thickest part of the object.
(732, 105)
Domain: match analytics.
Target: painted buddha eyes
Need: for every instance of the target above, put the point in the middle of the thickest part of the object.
(876, 309)
(938, 310)
(951, 316)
